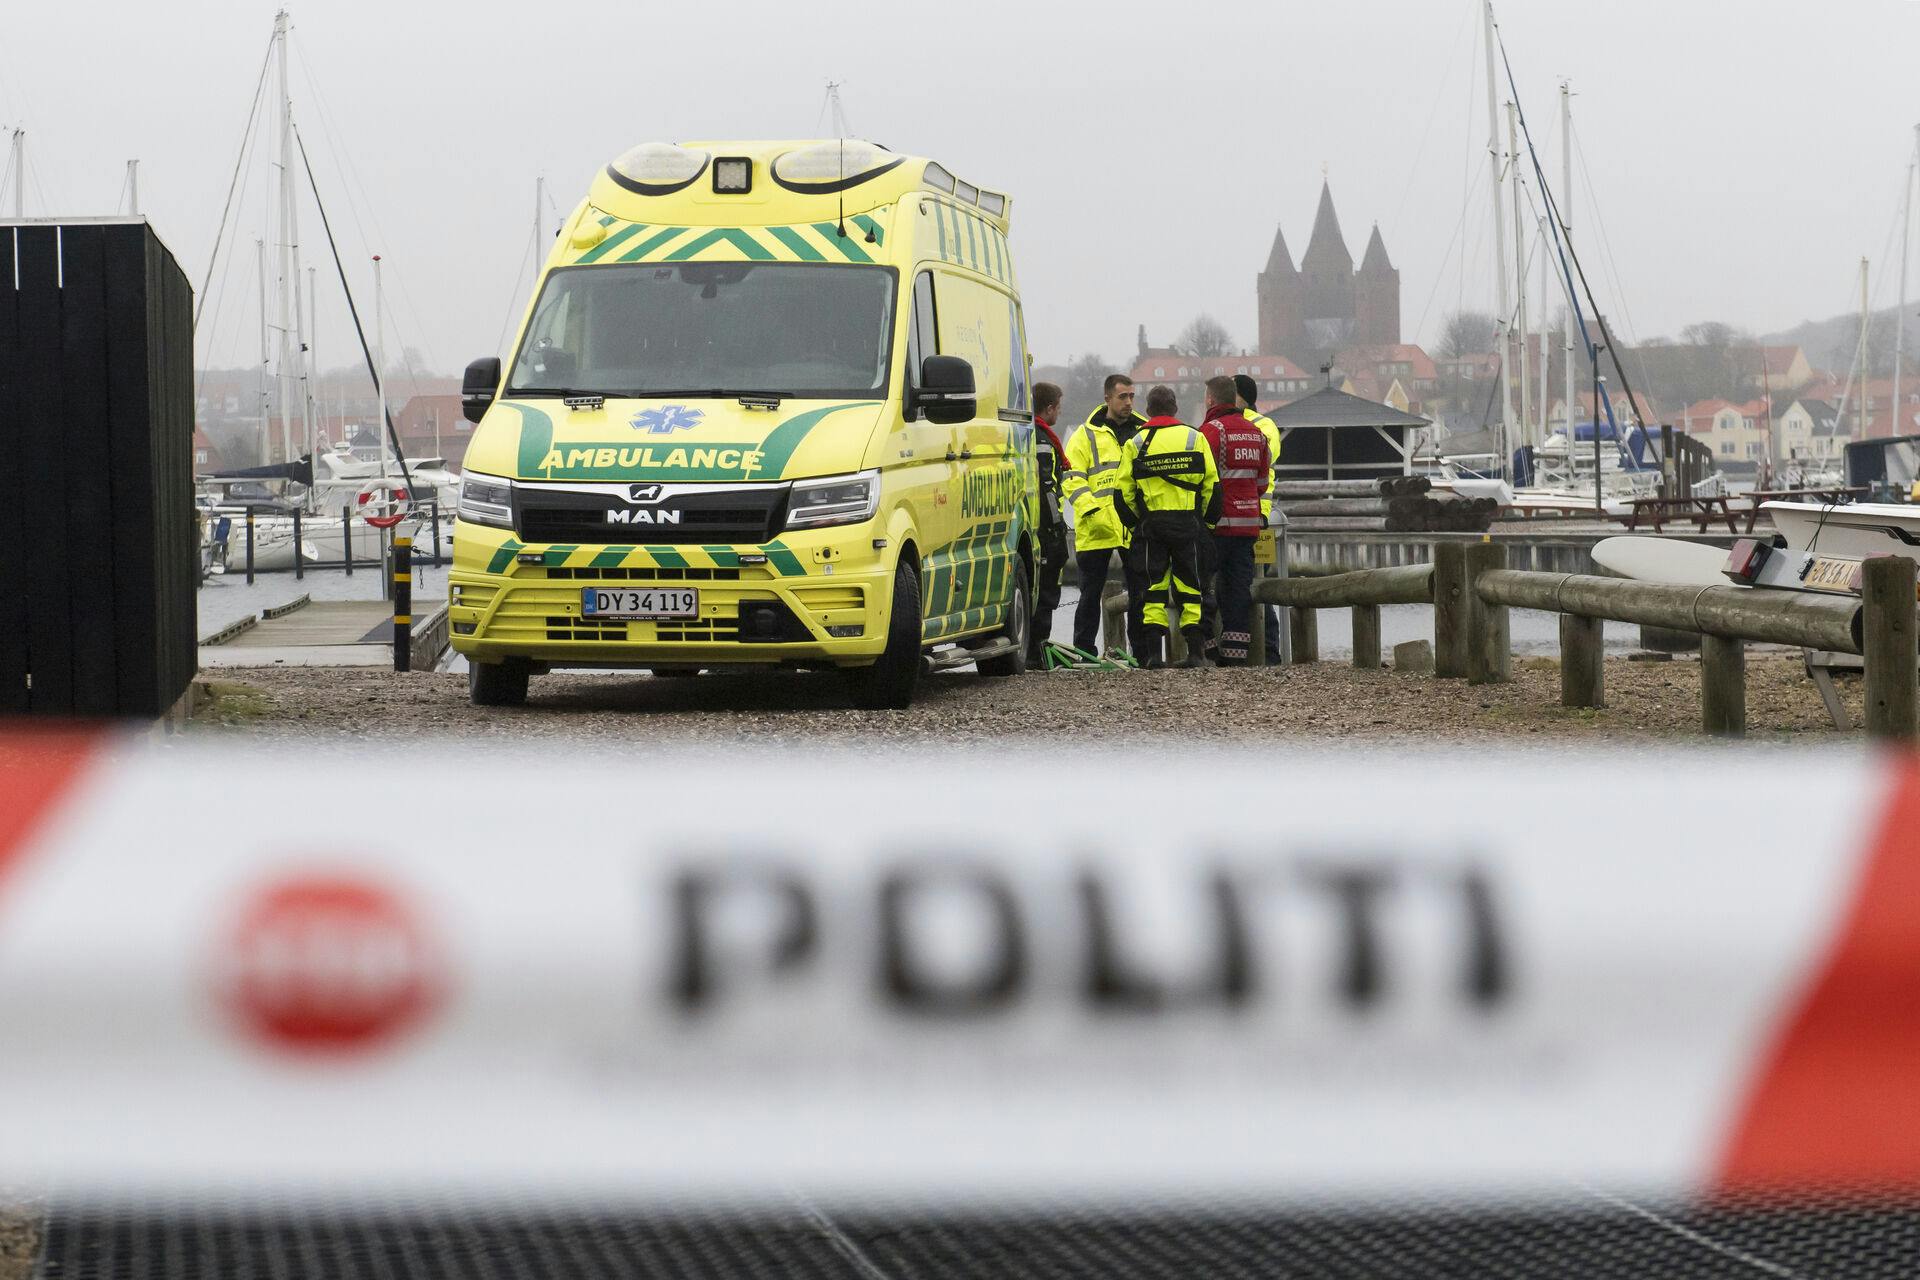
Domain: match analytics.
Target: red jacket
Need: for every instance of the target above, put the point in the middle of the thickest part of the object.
(1240, 451)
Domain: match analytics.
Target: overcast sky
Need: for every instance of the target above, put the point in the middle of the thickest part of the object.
(1745, 156)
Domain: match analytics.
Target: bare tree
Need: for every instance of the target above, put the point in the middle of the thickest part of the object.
(1205, 336)
(1466, 333)
(1080, 393)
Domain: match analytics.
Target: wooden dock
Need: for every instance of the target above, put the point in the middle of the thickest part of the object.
(322, 633)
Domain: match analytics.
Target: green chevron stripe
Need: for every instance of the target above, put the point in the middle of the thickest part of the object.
(651, 243)
(783, 559)
(553, 557)
(849, 248)
(802, 250)
(741, 240)
(869, 227)
(723, 557)
(503, 555)
(666, 557)
(612, 242)
(609, 558)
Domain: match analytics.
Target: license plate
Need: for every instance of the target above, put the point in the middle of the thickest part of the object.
(1827, 573)
(640, 602)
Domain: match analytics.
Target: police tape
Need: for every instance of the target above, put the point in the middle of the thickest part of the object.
(964, 977)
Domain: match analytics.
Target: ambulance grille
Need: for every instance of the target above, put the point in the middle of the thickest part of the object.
(742, 520)
(562, 627)
(643, 575)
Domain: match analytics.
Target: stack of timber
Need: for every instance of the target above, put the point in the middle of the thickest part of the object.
(1393, 504)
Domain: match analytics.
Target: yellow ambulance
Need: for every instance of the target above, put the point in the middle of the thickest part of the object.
(770, 406)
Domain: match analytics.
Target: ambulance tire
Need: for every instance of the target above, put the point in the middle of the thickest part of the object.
(498, 684)
(1018, 628)
(889, 683)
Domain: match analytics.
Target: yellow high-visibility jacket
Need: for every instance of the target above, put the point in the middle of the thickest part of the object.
(1092, 478)
(1272, 433)
(1169, 468)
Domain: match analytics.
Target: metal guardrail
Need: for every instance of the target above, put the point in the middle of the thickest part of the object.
(1471, 590)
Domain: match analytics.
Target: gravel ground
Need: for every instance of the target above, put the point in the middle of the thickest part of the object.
(19, 1240)
(1645, 700)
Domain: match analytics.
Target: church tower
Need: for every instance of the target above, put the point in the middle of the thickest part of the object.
(1279, 296)
(1376, 295)
(1327, 276)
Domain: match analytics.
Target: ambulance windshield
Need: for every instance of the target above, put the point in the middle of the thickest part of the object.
(709, 328)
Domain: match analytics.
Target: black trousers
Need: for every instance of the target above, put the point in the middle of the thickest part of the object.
(1046, 592)
(1094, 566)
(1173, 566)
(1235, 559)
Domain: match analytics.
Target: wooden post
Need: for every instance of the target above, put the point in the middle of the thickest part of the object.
(1489, 647)
(1257, 626)
(1366, 637)
(1449, 610)
(1723, 686)
(1306, 634)
(1582, 672)
(1887, 591)
(1113, 618)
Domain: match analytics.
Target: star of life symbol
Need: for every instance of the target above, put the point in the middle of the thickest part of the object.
(667, 418)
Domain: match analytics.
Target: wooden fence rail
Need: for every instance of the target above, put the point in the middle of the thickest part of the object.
(1471, 591)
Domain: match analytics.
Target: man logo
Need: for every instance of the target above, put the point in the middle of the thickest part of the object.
(644, 492)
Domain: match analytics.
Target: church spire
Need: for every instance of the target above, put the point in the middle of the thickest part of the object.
(1327, 249)
(1376, 256)
(1279, 258)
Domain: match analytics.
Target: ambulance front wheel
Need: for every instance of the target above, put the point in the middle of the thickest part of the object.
(1016, 632)
(888, 684)
(498, 684)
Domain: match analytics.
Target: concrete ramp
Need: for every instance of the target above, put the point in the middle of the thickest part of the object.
(307, 633)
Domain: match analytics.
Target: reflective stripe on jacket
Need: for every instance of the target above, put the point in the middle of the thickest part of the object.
(1240, 451)
(1092, 481)
(1170, 468)
(1272, 433)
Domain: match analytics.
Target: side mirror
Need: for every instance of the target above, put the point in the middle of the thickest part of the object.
(945, 392)
(477, 386)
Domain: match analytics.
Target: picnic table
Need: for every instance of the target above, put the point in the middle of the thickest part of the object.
(1827, 495)
(1697, 511)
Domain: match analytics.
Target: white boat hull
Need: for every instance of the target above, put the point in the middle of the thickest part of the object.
(323, 542)
(1853, 529)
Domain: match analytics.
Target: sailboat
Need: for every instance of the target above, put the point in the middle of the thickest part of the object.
(320, 481)
(1603, 464)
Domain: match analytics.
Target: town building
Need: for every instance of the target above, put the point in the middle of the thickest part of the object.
(1278, 377)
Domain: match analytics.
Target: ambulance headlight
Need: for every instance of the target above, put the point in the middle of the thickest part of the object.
(486, 500)
(851, 499)
(732, 176)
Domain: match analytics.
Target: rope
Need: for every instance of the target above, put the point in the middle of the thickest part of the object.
(359, 331)
(233, 183)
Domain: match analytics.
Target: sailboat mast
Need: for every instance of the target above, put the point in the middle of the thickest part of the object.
(19, 167)
(1861, 413)
(266, 354)
(1520, 270)
(380, 359)
(290, 213)
(1501, 327)
(284, 366)
(313, 361)
(1546, 309)
(1566, 226)
(1900, 315)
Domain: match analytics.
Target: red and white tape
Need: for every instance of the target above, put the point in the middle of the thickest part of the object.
(963, 977)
